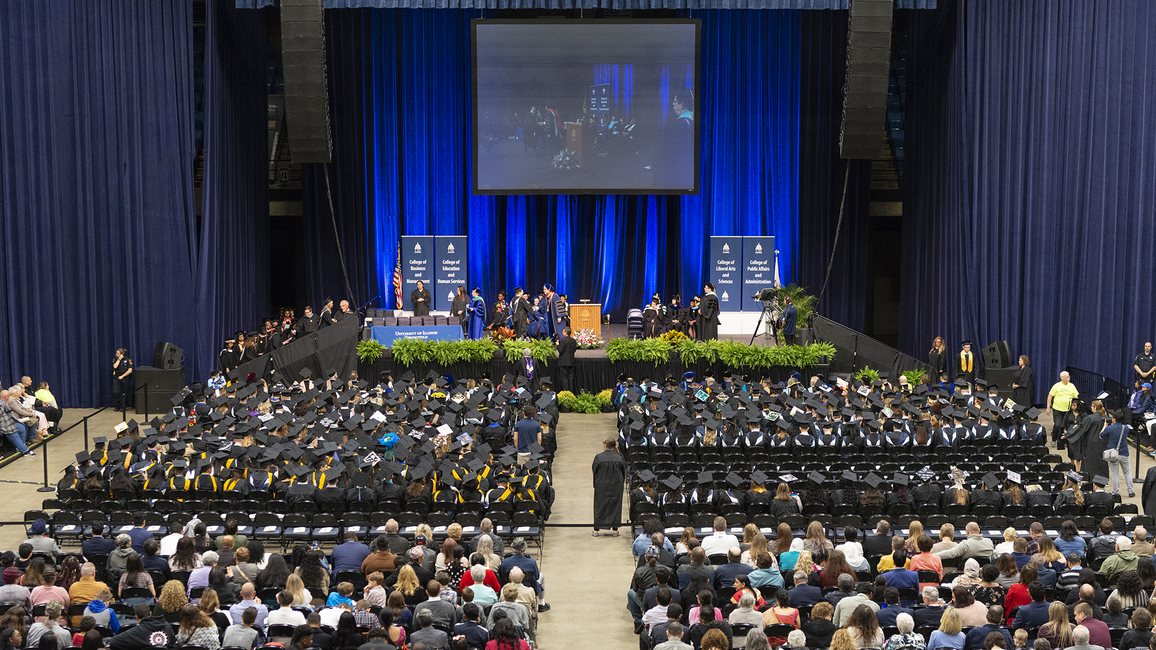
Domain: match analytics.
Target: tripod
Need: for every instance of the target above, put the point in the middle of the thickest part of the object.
(766, 316)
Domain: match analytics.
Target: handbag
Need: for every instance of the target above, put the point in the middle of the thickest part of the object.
(1113, 455)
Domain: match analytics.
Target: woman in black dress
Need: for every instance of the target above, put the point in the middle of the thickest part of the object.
(420, 299)
(937, 358)
(1024, 384)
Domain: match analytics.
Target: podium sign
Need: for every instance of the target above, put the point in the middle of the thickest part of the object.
(450, 267)
(726, 262)
(758, 269)
(417, 263)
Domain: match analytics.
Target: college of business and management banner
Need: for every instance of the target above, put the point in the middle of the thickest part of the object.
(417, 263)
(450, 265)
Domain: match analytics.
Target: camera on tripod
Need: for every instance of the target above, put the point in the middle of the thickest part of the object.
(764, 295)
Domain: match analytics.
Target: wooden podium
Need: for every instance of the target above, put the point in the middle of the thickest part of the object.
(586, 316)
(574, 143)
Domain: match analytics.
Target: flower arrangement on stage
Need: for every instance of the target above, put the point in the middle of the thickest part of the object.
(566, 160)
(673, 336)
(588, 340)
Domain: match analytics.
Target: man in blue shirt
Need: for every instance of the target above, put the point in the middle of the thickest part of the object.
(899, 577)
(527, 432)
(138, 534)
(977, 635)
(891, 609)
(350, 555)
(476, 634)
(519, 559)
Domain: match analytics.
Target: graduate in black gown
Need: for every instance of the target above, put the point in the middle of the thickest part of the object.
(501, 312)
(708, 320)
(420, 299)
(520, 313)
(1024, 384)
(458, 308)
(676, 316)
(652, 318)
(609, 471)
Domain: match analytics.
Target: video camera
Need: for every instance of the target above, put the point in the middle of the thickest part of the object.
(764, 295)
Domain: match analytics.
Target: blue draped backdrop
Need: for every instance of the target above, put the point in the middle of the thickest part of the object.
(1031, 136)
(400, 83)
(102, 245)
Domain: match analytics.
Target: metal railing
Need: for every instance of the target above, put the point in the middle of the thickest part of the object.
(46, 487)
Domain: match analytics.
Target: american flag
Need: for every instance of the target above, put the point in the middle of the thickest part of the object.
(397, 279)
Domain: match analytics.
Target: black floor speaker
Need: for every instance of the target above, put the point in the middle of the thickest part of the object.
(161, 383)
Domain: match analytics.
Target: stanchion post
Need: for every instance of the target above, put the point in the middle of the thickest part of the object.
(86, 432)
(44, 456)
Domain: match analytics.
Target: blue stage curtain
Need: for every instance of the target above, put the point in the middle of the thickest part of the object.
(824, 73)
(590, 4)
(1028, 208)
(399, 83)
(232, 246)
(96, 199)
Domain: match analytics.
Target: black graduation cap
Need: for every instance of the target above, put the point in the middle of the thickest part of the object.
(672, 482)
(305, 373)
(816, 478)
(990, 480)
(705, 478)
(850, 476)
(99, 440)
(1032, 413)
(81, 457)
(874, 480)
(1102, 481)
(734, 479)
(982, 383)
(900, 478)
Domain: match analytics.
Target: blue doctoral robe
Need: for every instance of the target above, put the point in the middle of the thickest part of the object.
(536, 328)
(555, 328)
(477, 318)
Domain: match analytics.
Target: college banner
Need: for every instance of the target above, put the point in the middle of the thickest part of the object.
(758, 269)
(417, 263)
(450, 267)
(726, 260)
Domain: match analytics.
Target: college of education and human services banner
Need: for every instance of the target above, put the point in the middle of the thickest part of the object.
(726, 264)
(450, 266)
(417, 263)
(758, 269)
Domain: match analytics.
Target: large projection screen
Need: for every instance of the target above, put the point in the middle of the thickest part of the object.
(585, 107)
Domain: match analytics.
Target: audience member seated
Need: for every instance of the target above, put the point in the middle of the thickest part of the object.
(932, 611)
(1035, 613)
(1098, 633)
(949, 634)
(891, 608)
(719, 542)
(978, 636)
(848, 605)
(907, 637)
(1080, 640)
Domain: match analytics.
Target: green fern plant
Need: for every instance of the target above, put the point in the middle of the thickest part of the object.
(370, 351)
(915, 376)
(867, 375)
(643, 350)
(540, 350)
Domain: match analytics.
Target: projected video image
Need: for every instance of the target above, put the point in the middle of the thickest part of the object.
(585, 107)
